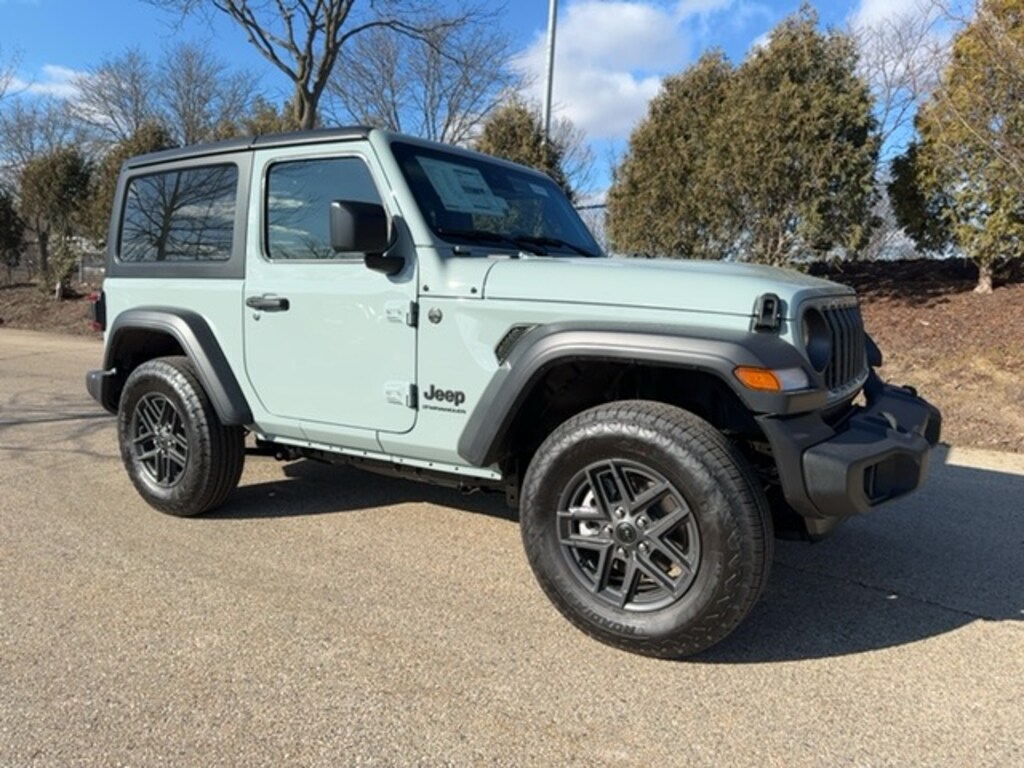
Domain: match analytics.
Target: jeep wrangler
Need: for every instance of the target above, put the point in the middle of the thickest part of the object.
(361, 297)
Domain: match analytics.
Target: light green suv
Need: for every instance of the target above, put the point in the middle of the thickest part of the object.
(360, 297)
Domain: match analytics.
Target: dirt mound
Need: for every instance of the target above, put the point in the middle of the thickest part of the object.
(962, 350)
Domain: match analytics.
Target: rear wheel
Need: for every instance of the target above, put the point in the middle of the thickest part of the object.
(179, 456)
(646, 528)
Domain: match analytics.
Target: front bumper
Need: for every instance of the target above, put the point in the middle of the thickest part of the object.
(880, 452)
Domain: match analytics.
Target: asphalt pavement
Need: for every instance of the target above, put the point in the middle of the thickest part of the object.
(328, 617)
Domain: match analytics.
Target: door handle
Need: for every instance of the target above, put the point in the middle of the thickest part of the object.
(268, 303)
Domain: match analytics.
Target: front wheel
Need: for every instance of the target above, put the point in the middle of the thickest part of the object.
(179, 456)
(646, 528)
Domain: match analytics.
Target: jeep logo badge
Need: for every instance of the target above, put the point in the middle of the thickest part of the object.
(452, 396)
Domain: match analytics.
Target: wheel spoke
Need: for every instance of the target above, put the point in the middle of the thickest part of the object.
(601, 572)
(161, 406)
(650, 569)
(181, 441)
(147, 455)
(629, 582)
(650, 497)
(596, 474)
(665, 524)
(671, 552)
(604, 568)
(148, 419)
(583, 514)
(179, 459)
(595, 542)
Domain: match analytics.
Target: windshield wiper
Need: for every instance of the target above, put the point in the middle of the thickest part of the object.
(555, 242)
(486, 236)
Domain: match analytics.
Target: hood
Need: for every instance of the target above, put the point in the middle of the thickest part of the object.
(695, 286)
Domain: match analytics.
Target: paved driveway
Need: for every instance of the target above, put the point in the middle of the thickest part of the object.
(328, 617)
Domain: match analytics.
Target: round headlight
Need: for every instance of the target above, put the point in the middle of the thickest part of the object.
(817, 339)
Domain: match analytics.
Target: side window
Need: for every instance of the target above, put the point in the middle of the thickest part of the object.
(298, 205)
(183, 215)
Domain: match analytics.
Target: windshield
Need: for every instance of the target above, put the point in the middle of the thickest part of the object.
(470, 200)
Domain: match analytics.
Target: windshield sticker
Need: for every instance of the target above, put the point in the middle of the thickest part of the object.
(462, 189)
(538, 189)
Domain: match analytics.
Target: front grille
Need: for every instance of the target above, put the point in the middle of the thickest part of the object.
(848, 365)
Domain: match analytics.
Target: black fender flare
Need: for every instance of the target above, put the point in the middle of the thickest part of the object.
(717, 352)
(193, 334)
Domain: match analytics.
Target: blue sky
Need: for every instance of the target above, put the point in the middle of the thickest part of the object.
(611, 54)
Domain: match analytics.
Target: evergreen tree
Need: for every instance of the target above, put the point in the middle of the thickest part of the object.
(54, 192)
(12, 233)
(266, 118)
(762, 163)
(923, 214)
(515, 132)
(663, 200)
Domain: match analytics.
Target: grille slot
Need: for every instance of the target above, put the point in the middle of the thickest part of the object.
(849, 355)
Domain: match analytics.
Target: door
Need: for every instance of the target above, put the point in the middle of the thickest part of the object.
(328, 342)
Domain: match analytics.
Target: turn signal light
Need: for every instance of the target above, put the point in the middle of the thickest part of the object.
(773, 379)
(759, 378)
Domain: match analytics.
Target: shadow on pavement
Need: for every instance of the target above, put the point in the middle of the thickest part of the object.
(950, 555)
(313, 488)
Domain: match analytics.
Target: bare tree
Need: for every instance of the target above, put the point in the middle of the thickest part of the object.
(577, 157)
(189, 91)
(303, 38)
(901, 57)
(199, 94)
(441, 85)
(7, 70)
(31, 128)
(117, 97)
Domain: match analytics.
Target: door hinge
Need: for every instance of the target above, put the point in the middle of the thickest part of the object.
(401, 393)
(402, 312)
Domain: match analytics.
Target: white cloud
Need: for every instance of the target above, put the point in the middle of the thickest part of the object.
(610, 58)
(55, 81)
(761, 41)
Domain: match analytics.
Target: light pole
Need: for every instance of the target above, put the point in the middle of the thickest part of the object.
(552, 18)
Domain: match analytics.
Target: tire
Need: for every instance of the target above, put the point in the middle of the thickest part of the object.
(646, 528)
(179, 456)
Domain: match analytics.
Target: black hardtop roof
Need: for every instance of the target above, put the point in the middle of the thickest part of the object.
(295, 138)
(300, 138)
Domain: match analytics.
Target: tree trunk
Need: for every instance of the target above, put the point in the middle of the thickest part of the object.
(984, 278)
(304, 110)
(43, 242)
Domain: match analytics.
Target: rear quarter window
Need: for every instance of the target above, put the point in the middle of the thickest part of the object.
(179, 215)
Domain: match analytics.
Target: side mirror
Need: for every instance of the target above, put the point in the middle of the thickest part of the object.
(363, 228)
